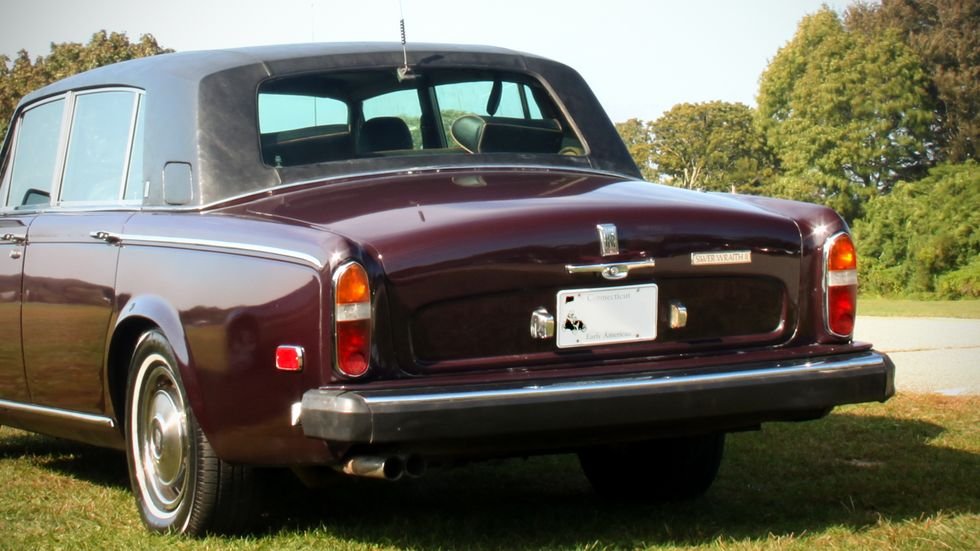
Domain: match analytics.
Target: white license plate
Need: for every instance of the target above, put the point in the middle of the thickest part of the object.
(590, 317)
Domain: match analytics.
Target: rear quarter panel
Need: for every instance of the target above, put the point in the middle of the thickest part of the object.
(225, 311)
(816, 224)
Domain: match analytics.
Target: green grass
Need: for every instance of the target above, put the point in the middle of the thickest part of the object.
(870, 306)
(900, 475)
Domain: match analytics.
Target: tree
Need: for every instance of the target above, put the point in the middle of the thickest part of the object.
(846, 114)
(712, 146)
(21, 76)
(923, 238)
(944, 35)
(637, 136)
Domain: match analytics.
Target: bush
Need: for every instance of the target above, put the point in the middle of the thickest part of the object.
(964, 282)
(923, 237)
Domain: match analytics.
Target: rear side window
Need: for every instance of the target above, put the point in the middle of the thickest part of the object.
(35, 154)
(283, 112)
(298, 128)
(99, 146)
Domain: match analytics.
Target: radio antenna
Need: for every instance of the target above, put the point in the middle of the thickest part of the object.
(404, 72)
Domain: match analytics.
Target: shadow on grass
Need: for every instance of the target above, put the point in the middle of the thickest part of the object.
(846, 470)
(97, 465)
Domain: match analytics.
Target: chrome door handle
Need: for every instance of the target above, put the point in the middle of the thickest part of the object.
(14, 238)
(108, 237)
(612, 270)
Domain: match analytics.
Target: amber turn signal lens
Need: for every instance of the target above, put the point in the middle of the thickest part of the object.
(842, 255)
(352, 285)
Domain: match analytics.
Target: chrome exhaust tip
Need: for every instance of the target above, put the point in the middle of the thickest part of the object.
(384, 468)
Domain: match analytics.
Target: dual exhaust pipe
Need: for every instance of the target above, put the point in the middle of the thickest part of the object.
(384, 467)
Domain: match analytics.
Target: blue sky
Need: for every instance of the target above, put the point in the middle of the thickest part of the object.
(640, 57)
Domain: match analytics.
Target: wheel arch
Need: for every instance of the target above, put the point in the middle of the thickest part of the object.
(139, 315)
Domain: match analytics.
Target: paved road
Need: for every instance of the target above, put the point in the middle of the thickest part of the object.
(931, 354)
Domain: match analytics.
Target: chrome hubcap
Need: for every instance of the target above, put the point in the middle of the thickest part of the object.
(160, 437)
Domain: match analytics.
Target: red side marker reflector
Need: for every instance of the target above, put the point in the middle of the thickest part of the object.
(289, 358)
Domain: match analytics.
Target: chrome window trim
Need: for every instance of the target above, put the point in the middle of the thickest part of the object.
(123, 238)
(67, 122)
(15, 137)
(73, 96)
(70, 415)
(134, 117)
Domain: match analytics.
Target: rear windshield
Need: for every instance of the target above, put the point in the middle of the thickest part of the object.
(316, 118)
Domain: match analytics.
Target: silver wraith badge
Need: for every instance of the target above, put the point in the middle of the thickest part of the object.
(721, 257)
(608, 239)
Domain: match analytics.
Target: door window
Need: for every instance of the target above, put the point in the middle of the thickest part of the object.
(99, 146)
(35, 154)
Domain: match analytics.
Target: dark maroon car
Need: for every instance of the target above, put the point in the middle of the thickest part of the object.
(315, 256)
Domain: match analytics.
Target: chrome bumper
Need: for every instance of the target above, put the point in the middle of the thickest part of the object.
(750, 394)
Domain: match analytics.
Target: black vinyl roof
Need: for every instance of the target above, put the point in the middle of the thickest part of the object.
(200, 109)
(193, 66)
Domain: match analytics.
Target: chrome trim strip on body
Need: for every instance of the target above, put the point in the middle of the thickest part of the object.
(88, 418)
(584, 388)
(123, 238)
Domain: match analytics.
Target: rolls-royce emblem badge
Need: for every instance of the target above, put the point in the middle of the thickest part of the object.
(608, 240)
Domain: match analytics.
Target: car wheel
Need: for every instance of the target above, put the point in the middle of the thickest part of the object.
(180, 485)
(665, 469)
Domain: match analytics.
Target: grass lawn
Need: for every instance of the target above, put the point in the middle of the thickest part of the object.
(902, 475)
(871, 306)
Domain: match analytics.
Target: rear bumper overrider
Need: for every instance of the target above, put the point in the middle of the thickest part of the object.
(756, 392)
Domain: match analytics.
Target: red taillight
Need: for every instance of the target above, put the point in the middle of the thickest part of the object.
(840, 283)
(352, 319)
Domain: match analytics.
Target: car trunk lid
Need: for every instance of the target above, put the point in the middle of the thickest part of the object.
(469, 257)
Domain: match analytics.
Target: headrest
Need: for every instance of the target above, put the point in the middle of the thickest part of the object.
(384, 134)
(478, 134)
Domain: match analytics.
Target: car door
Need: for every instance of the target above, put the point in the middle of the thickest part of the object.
(69, 269)
(30, 163)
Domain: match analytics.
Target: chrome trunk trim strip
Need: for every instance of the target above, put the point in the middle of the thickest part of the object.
(614, 270)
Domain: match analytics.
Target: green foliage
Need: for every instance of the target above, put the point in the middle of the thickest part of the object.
(638, 137)
(944, 35)
(20, 76)
(713, 146)
(845, 112)
(963, 282)
(923, 238)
